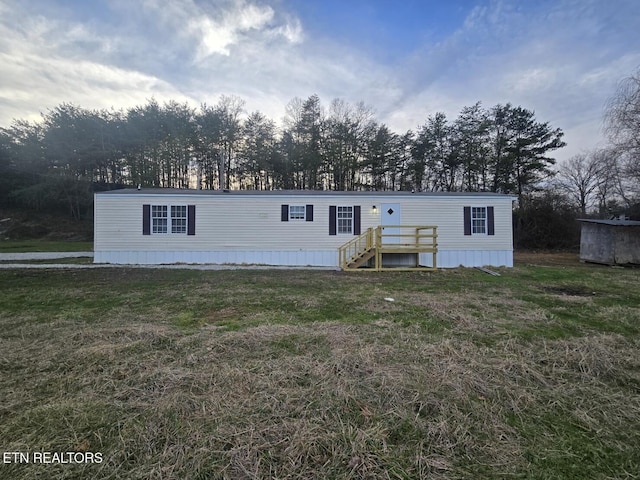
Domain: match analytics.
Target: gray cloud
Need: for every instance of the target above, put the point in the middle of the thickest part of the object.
(46, 62)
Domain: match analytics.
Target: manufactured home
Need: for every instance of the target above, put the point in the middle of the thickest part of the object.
(346, 230)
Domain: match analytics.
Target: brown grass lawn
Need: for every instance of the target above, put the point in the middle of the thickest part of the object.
(300, 374)
(555, 259)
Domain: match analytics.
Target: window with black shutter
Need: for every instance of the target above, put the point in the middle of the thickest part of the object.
(479, 221)
(345, 220)
(168, 219)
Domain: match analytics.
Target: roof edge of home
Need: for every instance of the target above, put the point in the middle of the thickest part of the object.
(179, 191)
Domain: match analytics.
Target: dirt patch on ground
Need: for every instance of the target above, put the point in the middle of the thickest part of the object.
(571, 290)
(553, 258)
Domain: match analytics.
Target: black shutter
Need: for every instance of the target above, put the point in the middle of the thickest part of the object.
(467, 220)
(191, 219)
(284, 213)
(332, 220)
(491, 229)
(146, 219)
(309, 214)
(356, 220)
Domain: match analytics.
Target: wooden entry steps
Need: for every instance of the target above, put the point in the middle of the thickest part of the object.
(384, 243)
(363, 259)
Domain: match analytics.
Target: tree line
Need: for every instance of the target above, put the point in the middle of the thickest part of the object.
(342, 147)
(58, 162)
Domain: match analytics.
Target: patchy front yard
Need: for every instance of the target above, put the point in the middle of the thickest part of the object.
(300, 374)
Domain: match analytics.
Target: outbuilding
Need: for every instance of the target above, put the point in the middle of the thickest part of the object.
(612, 242)
(303, 228)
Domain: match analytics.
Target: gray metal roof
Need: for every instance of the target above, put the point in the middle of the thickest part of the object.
(179, 191)
(616, 223)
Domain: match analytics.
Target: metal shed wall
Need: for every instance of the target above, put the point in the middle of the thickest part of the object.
(609, 243)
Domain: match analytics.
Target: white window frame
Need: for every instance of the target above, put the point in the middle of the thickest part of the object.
(159, 219)
(479, 220)
(344, 220)
(169, 219)
(297, 213)
(179, 219)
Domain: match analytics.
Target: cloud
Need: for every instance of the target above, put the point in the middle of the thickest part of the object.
(261, 54)
(45, 83)
(291, 30)
(219, 27)
(216, 36)
(561, 60)
(45, 63)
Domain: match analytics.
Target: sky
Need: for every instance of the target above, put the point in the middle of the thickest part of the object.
(406, 59)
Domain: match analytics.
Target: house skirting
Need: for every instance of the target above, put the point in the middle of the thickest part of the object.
(320, 258)
(469, 258)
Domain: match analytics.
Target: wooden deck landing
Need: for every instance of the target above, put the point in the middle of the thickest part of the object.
(390, 247)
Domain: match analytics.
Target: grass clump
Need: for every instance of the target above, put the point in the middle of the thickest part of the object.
(297, 374)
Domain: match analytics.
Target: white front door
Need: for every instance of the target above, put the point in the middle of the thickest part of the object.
(390, 214)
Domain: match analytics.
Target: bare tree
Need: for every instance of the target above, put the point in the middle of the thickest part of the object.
(593, 181)
(613, 186)
(622, 124)
(581, 177)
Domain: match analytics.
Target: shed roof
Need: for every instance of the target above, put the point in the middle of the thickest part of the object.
(615, 223)
(180, 191)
